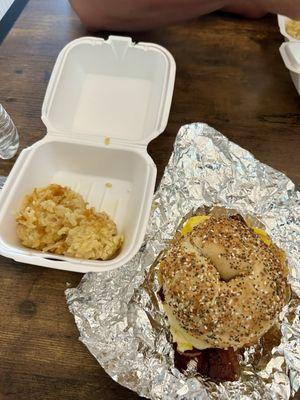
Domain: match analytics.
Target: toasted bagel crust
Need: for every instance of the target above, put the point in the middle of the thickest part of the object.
(223, 284)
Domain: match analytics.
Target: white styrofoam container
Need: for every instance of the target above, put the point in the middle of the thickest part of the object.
(282, 21)
(290, 52)
(106, 100)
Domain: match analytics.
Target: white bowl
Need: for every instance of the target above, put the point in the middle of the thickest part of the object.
(282, 21)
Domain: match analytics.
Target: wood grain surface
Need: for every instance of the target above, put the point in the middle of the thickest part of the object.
(229, 74)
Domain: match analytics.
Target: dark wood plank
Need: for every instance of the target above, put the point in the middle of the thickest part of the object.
(10, 17)
(229, 74)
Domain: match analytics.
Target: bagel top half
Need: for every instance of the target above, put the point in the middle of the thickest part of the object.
(223, 284)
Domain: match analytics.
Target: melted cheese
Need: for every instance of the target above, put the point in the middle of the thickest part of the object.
(180, 336)
(262, 234)
(192, 222)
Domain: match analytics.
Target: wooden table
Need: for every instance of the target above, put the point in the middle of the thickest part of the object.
(229, 74)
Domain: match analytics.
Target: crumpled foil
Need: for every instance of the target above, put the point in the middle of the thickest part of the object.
(2, 181)
(118, 314)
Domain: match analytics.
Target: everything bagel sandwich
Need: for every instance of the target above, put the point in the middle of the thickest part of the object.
(223, 283)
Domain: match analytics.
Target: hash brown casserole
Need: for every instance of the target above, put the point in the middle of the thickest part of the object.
(293, 29)
(56, 219)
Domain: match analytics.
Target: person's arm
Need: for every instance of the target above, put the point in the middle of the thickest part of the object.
(138, 15)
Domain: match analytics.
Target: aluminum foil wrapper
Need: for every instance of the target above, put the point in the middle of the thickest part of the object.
(2, 181)
(119, 315)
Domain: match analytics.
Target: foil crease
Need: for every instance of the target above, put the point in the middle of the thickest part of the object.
(2, 181)
(118, 314)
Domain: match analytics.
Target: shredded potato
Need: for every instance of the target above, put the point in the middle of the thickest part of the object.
(293, 29)
(56, 219)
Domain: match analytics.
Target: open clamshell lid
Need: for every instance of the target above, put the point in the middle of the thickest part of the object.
(110, 88)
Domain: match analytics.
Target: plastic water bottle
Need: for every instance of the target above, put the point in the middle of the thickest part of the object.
(9, 137)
